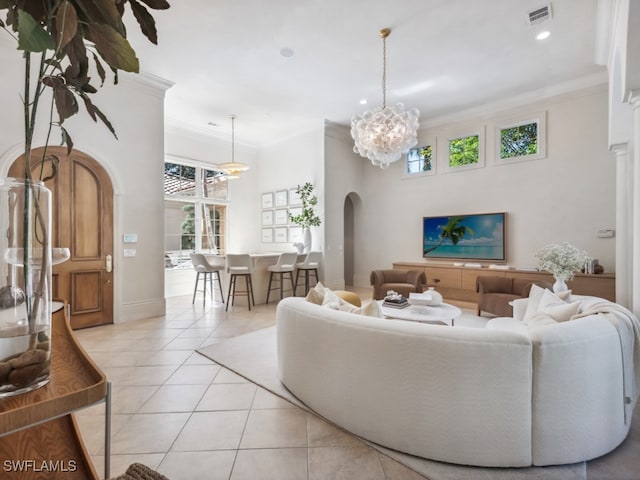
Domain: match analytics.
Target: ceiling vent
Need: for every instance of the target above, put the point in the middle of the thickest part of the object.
(540, 15)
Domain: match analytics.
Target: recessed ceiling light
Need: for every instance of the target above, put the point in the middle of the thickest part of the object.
(363, 101)
(542, 35)
(286, 52)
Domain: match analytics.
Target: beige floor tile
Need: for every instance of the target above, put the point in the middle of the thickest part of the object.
(194, 375)
(122, 359)
(211, 431)
(148, 433)
(323, 434)
(278, 428)
(210, 465)
(344, 463)
(197, 359)
(267, 400)
(188, 343)
(164, 357)
(129, 399)
(92, 430)
(174, 398)
(153, 375)
(227, 376)
(227, 396)
(271, 464)
(396, 471)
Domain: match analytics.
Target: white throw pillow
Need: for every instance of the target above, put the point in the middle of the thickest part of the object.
(372, 309)
(316, 294)
(535, 295)
(556, 307)
(330, 297)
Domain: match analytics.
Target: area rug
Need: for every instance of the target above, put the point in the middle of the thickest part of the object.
(253, 356)
(138, 471)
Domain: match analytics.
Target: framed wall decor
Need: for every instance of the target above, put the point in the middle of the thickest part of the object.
(280, 235)
(281, 198)
(521, 139)
(295, 234)
(281, 217)
(294, 212)
(465, 151)
(267, 217)
(294, 198)
(267, 235)
(267, 200)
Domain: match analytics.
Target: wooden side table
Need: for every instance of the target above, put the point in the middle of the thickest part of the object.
(39, 437)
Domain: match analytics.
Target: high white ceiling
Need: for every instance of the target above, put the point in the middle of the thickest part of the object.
(443, 56)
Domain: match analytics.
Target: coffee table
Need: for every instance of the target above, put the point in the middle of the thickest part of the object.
(443, 314)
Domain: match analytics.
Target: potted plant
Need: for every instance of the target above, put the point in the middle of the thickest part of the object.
(307, 218)
(60, 42)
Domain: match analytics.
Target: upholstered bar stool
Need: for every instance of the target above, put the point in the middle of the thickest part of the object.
(211, 273)
(308, 266)
(240, 265)
(285, 264)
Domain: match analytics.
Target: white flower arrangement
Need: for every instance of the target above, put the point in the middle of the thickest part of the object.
(562, 260)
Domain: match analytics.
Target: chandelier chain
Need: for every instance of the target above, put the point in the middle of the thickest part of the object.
(233, 142)
(384, 71)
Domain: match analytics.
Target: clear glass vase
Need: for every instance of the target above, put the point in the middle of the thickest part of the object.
(25, 285)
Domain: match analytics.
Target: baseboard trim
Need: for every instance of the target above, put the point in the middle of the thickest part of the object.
(128, 312)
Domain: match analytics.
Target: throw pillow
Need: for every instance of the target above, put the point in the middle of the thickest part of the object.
(316, 294)
(373, 309)
(535, 295)
(557, 308)
(330, 297)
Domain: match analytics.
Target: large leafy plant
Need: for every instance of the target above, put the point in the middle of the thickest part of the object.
(67, 38)
(63, 42)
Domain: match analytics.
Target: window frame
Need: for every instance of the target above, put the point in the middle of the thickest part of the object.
(540, 118)
(464, 133)
(430, 141)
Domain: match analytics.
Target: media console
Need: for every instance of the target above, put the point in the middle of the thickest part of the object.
(459, 282)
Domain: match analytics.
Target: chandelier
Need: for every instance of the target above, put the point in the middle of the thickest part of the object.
(233, 169)
(385, 133)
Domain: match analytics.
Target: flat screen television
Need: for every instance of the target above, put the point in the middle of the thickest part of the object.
(480, 236)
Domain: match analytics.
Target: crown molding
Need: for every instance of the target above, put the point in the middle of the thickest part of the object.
(577, 85)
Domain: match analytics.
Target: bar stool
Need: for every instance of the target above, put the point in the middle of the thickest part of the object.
(211, 272)
(309, 266)
(285, 264)
(240, 265)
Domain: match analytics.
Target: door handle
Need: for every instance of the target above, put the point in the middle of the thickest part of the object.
(108, 264)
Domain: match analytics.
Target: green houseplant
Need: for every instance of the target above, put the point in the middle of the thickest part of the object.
(61, 42)
(307, 218)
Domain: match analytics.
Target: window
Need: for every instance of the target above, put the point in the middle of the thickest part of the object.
(421, 160)
(195, 212)
(522, 139)
(465, 151)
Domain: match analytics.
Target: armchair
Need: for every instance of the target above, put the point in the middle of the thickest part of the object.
(401, 281)
(495, 293)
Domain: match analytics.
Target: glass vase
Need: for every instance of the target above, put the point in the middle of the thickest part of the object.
(25, 285)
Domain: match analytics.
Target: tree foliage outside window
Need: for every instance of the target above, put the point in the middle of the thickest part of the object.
(420, 159)
(519, 141)
(464, 151)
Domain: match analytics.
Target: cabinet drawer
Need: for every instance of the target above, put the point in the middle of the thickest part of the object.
(449, 278)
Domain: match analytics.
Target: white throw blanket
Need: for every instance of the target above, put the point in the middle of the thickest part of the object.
(628, 327)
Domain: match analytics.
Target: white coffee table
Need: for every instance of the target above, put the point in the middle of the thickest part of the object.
(443, 314)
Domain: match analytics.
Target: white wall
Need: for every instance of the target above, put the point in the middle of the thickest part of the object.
(134, 161)
(566, 196)
(290, 162)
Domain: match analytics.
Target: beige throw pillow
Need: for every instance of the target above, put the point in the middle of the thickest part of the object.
(316, 294)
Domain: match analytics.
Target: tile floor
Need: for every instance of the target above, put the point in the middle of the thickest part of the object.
(181, 414)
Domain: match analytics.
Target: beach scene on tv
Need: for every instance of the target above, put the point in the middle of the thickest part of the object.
(473, 237)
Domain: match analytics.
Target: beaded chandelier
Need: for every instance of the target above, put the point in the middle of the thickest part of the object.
(385, 133)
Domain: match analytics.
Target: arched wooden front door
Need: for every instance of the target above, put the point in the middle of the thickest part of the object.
(82, 217)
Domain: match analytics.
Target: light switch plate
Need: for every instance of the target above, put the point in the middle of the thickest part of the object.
(130, 237)
(129, 252)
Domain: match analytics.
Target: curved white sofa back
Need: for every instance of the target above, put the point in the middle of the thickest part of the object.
(462, 395)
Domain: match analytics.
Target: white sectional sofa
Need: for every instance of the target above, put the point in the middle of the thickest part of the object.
(554, 394)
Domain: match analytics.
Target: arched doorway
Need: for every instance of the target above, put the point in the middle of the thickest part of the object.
(351, 202)
(82, 220)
